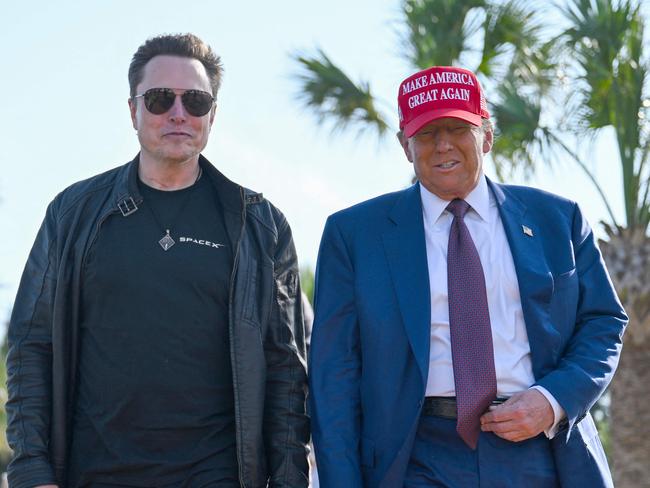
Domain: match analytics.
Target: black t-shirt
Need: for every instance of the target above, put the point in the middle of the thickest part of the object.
(154, 403)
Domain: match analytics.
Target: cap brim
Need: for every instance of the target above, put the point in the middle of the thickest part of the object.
(421, 120)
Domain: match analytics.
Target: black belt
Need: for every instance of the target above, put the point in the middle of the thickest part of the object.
(445, 407)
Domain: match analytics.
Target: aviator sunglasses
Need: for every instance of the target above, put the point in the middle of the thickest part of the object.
(160, 100)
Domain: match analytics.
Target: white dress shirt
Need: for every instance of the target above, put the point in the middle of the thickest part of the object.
(512, 360)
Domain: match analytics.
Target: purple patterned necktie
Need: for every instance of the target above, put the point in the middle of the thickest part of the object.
(469, 326)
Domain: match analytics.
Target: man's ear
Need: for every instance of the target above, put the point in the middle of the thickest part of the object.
(404, 142)
(488, 140)
(132, 109)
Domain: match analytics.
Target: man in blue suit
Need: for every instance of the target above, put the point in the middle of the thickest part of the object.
(463, 328)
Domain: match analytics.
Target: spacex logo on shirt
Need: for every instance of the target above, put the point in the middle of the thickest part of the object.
(201, 242)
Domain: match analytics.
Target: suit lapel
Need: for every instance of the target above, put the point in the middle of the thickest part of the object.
(405, 248)
(534, 277)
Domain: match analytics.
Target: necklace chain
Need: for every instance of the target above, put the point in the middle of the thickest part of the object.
(166, 242)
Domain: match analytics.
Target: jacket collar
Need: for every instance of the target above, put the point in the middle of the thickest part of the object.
(126, 196)
(479, 200)
(404, 245)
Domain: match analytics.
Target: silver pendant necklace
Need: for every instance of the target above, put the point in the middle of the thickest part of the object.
(166, 242)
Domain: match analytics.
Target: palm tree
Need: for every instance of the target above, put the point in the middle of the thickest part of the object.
(599, 54)
(606, 41)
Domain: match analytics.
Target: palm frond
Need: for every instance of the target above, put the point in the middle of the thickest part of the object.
(629, 80)
(606, 37)
(332, 96)
(517, 134)
(435, 33)
(508, 27)
(596, 36)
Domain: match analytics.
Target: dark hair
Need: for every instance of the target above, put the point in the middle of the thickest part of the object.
(185, 45)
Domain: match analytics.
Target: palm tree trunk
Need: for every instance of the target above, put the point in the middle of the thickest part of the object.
(630, 417)
(627, 253)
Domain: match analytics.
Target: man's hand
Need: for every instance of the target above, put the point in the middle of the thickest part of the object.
(522, 416)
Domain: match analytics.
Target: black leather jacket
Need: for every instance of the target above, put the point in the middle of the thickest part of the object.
(266, 332)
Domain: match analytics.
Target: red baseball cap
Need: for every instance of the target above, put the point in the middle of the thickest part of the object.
(437, 92)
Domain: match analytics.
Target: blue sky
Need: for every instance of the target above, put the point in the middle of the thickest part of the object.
(65, 116)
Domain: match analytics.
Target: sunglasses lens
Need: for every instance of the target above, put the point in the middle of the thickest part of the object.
(196, 102)
(159, 100)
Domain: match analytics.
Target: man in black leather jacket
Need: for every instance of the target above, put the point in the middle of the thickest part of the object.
(157, 336)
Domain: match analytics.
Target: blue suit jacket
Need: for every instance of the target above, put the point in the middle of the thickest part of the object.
(369, 354)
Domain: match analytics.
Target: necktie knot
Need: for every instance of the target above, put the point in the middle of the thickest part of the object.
(458, 208)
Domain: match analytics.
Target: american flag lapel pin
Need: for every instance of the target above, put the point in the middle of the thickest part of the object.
(527, 230)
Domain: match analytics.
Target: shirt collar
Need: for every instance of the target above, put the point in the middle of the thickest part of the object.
(479, 198)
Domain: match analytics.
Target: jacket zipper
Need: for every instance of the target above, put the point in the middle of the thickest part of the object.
(235, 263)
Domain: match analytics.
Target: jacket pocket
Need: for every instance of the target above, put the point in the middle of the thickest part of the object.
(564, 302)
(254, 291)
(250, 286)
(563, 280)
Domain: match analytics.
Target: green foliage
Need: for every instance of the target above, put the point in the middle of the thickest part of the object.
(517, 132)
(332, 95)
(510, 27)
(435, 30)
(606, 39)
